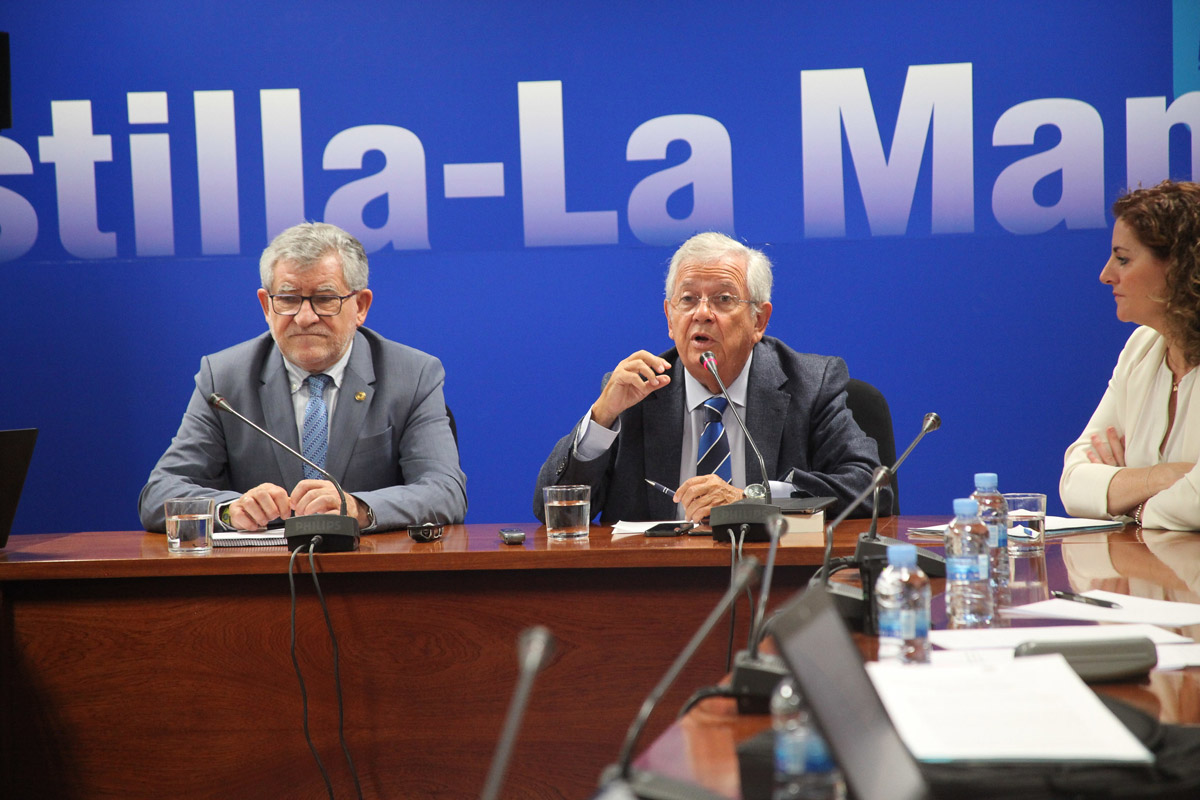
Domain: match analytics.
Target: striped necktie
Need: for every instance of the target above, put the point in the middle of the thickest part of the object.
(713, 453)
(315, 438)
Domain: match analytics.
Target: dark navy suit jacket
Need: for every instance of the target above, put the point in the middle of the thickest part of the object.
(796, 412)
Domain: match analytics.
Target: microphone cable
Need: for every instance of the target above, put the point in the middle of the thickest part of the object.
(337, 676)
(312, 545)
(296, 664)
(735, 558)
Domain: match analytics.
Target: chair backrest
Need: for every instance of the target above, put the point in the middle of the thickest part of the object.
(871, 412)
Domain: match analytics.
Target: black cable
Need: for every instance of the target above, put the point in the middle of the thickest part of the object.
(732, 608)
(337, 677)
(300, 677)
(703, 694)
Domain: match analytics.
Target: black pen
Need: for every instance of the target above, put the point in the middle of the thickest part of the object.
(1079, 598)
(661, 488)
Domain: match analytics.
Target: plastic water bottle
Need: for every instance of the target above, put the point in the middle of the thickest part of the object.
(804, 770)
(994, 513)
(968, 585)
(902, 599)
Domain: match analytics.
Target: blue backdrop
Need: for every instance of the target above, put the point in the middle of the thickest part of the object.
(931, 180)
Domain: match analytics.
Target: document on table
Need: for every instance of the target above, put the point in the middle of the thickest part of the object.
(1132, 609)
(1056, 527)
(1028, 709)
(1010, 638)
(272, 538)
(623, 528)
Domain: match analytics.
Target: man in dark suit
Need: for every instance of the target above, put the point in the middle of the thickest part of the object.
(650, 421)
(368, 410)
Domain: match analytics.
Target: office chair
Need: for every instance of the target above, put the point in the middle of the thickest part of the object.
(871, 412)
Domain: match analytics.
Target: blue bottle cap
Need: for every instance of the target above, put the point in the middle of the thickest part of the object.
(902, 555)
(986, 481)
(965, 507)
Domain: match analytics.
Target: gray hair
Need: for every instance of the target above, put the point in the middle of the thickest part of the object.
(309, 242)
(710, 247)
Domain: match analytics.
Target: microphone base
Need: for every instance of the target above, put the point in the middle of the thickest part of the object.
(754, 681)
(339, 534)
(727, 521)
(649, 786)
(932, 564)
(849, 602)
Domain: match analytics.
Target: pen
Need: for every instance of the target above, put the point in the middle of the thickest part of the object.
(661, 488)
(1079, 598)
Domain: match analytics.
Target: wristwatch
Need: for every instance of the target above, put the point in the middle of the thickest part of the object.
(756, 491)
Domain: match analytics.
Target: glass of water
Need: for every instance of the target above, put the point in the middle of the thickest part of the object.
(568, 510)
(1026, 521)
(190, 525)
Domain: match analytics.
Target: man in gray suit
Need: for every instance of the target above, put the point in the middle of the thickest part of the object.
(372, 410)
(649, 421)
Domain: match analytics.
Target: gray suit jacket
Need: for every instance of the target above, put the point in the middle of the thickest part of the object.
(393, 449)
(796, 412)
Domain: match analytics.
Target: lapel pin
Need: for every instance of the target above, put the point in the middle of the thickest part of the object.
(360, 396)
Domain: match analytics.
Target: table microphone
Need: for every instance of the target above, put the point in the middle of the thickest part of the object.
(847, 599)
(754, 678)
(621, 778)
(338, 532)
(535, 646)
(756, 510)
(870, 543)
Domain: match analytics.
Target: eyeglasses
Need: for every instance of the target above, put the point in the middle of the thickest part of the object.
(719, 303)
(323, 305)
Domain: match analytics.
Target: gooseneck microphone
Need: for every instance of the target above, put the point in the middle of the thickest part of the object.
(338, 532)
(648, 785)
(535, 646)
(854, 604)
(710, 363)
(870, 543)
(846, 598)
(746, 518)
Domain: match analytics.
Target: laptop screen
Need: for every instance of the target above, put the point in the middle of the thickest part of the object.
(828, 670)
(16, 451)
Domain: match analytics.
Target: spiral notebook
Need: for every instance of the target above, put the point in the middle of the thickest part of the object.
(267, 538)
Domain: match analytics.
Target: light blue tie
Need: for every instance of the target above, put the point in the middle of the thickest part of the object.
(315, 439)
(713, 455)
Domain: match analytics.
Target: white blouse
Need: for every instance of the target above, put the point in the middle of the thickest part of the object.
(1136, 405)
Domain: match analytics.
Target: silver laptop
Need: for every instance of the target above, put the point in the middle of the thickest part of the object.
(828, 670)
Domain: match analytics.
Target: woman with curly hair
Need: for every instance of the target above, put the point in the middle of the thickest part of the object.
(1137, 456)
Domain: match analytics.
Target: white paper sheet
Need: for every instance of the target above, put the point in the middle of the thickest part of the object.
(1133, 609)
(1026, 709)
(1178, 656)
(990, 638)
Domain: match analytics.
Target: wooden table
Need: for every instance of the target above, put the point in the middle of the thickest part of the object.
(701, 748)
(128, 672)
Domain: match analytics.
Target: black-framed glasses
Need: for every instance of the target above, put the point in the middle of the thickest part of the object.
(323, 305)
(723, 303)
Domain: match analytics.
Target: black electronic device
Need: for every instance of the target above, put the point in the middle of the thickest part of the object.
(1100, 660)
(337, 532)
(426, 532)
(512, 536)
(669, 529)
